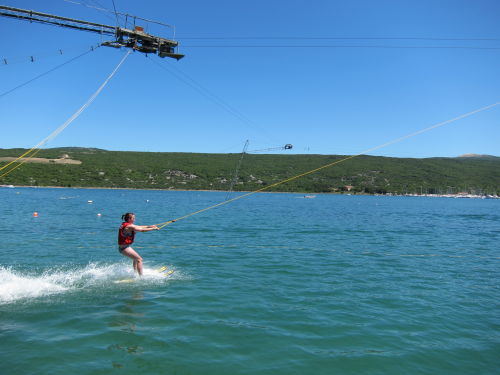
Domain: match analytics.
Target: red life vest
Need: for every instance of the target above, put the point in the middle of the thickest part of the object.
(125, 237)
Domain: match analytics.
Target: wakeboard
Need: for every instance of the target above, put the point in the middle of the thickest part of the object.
(163, 270)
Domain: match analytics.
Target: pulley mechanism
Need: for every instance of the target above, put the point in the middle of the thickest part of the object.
(136, 39)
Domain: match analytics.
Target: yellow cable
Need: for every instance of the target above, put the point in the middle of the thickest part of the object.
(20, 163)
(20, 157)
(162, 225)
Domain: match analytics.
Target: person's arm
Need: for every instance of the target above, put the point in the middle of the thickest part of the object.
(142, 228)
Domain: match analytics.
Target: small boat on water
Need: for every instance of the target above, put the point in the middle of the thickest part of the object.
(309, 196)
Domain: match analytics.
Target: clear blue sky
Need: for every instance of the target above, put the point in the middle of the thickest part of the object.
(292, 71)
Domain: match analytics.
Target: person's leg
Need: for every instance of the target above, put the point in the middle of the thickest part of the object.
(131, 253)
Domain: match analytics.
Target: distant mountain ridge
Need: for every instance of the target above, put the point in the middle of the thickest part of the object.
(470, 173)
(480, 156)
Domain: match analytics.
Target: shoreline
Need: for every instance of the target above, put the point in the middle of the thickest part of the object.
(305, 194)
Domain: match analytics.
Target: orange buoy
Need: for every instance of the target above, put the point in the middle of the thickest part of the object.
(35, 214)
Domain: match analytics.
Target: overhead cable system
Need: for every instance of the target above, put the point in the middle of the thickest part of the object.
(288, 146)
(237, 170)
(135, 39)
(234, 180)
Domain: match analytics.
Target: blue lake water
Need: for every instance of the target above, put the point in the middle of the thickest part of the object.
(269, 284)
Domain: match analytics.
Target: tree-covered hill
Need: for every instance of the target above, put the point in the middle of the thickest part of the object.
(164, 170)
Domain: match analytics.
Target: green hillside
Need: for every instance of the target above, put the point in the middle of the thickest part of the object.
(153, 170)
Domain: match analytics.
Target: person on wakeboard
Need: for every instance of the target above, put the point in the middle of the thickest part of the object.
(126, 234)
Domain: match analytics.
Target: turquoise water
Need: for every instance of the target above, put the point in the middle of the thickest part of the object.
(270, 284)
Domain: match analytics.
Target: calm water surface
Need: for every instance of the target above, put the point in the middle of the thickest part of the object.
(270, 284)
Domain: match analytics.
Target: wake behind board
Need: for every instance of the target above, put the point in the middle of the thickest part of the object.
(163, 270)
